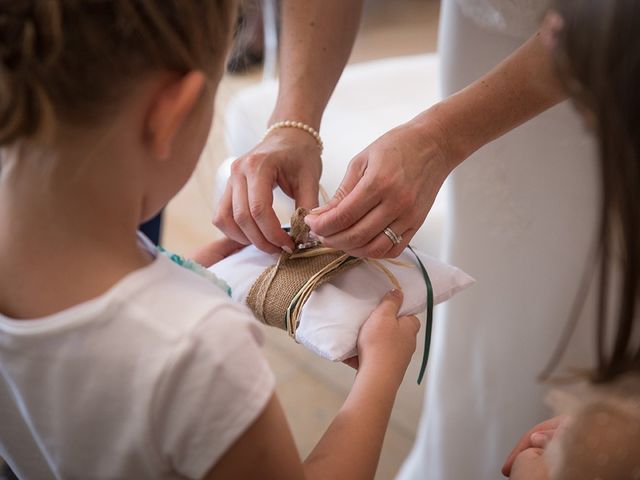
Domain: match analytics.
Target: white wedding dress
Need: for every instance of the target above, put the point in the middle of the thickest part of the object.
(524, 212)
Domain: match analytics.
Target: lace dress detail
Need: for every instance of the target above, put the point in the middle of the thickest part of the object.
(602, 437)
(517, 18)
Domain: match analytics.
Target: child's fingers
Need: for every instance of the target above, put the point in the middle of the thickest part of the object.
(525, 441)
(542, 439)
(390, 304)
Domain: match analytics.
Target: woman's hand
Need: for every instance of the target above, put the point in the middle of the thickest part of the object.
(386, 342)
(392, 183)
(288, 158)
(215, 251)
(538, 437)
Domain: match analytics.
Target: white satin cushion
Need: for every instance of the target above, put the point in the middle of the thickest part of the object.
(335, 311)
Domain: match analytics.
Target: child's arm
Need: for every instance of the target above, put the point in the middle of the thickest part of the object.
(215, 251)
(351, 446)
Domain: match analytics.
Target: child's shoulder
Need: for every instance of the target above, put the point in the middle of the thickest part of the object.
(172, 303)
(164, 365)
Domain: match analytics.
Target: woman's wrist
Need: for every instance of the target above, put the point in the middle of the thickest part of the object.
(293, 110)
(296, 124)
(433, 145)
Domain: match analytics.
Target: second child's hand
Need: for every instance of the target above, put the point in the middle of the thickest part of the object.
(215, 251)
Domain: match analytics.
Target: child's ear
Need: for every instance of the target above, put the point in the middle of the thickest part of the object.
(169, 110)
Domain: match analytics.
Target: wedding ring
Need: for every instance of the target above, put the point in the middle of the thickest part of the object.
(395, 239)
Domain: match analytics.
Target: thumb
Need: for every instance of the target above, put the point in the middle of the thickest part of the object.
(541, 439)
(410, 322)
(390, 303)
(349, 182)
(306, 195)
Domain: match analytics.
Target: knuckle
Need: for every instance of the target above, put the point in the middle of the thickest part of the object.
(355, 239)
(221, 219)
(236, 167)
(343, 220)
(254, 160)
(376, 251)
(405, 200)
(257, 209)
(340, 193)
(375, 188)
(242, 217)
(263, 245)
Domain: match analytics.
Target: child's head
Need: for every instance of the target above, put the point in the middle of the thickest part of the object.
(69, 68)
(596, 47)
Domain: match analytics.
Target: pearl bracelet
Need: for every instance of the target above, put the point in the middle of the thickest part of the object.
(302, 126)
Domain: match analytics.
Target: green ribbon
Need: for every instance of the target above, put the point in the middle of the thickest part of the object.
(196, 268)
(429, 326)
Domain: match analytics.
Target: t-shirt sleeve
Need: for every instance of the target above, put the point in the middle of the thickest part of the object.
(214, 388)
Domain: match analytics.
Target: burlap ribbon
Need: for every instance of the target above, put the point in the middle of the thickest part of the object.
(279, 293)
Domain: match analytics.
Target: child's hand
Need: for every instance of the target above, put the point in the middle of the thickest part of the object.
(530, 464)
(215, 251)
(537, 437)
(386, 342)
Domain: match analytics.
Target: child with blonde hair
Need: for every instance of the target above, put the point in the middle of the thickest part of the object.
(114, 361)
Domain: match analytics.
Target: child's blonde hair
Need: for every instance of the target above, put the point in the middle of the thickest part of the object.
(72, 60)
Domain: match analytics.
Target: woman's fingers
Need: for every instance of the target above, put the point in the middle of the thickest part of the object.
(354, 174)
(347, 207)
(243, 218)
(305, 192)
(259, 204)
(288, 158)
(224, 217)
(382, 245)
(365, 229)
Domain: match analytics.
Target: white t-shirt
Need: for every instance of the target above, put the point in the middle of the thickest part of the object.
(156, 378)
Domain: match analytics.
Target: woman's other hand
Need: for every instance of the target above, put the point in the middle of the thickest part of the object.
(392, 183)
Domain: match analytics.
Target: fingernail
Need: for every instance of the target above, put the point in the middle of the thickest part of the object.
(396, 293)
(538, 440)
(319, 210)
(287, 249)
